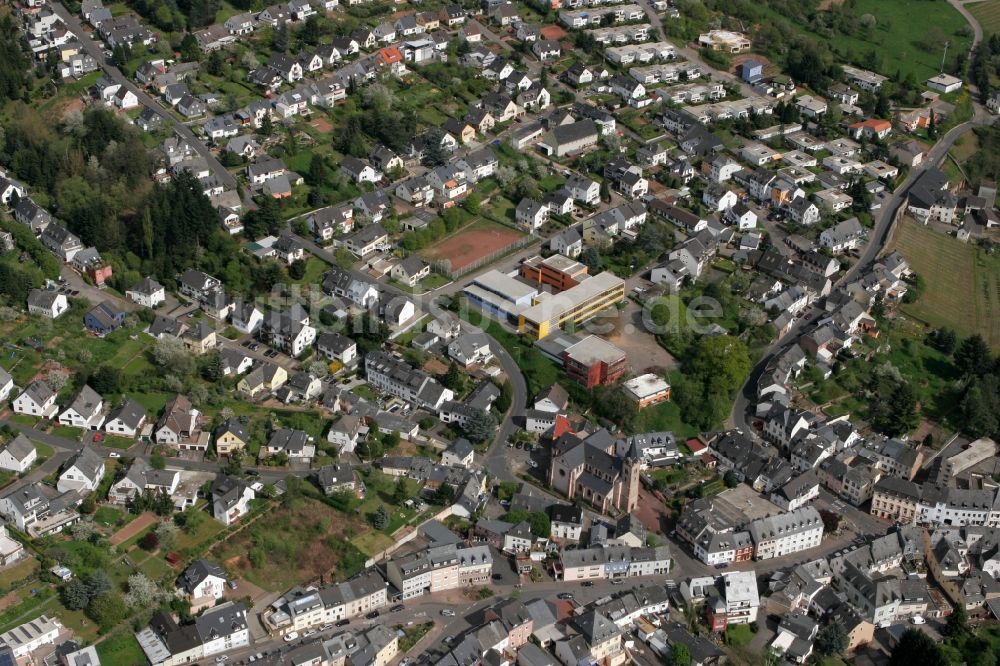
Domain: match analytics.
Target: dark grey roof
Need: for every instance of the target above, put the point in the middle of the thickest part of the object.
(131, 413)
(461, 447)
(234, 426)
(286, 439)
(198, 571)
(20, 447)
(221, 621)
(88, 462)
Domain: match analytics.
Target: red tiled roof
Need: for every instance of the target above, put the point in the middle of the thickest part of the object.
(389, 55)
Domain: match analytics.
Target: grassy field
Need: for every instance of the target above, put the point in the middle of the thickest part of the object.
(987, 13)
(966, 146)
(121, 648)
(664, 416)
(963, 282)
(17, 573)
(899, 38)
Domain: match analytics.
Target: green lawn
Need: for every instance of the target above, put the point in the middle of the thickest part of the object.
(206, 532)
(127, 352)
(315, 268)
(16, 574)
(962, 282)
(121, 648)
(908, 36)
(44, 451)
(114, 442)
(156, 568)
(664, 416)
(153, 402)
(364, 391)
(739, 635)
(23, 419)
(109, 516)
(67, 432)
(372, 543)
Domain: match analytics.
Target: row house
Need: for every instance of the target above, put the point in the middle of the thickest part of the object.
(301, 609)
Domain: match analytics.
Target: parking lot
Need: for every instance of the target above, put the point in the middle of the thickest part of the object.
(744, 503)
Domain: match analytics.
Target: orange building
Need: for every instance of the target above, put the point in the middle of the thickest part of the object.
(559, 272)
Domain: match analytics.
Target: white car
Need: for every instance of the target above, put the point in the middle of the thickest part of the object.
(114, 454)
(916, 619)
(291, 636)
(447, 612)
(222, 658)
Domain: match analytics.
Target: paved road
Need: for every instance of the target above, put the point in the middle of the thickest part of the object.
(491, 36)
(96, 50)
(977, 30)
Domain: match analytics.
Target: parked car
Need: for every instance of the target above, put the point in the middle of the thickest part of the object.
(342, 623)
(447, 612)
(374, 614)
(114, 454)
(291, 636)
(565, 595)
(396, 608)
(916, 619)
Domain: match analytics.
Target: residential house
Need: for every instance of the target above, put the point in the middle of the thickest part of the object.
(142, 479)
(230, 499)
(180, 426)
(230, 437)
(82, 473)
(126, 420)
(84, 410)
(47, 303)
(148, 293)
(104, 318)
(410, 271)
(18, 455)
(38, 399)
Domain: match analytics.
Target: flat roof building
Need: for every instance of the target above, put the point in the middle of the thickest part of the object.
(594, 361)
(571, 307)
(557, 271)
(500, 295)
(648, 389)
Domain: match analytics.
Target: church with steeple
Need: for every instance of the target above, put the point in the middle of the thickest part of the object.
(589, 469)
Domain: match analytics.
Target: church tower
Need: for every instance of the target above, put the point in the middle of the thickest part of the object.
(631, 466)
